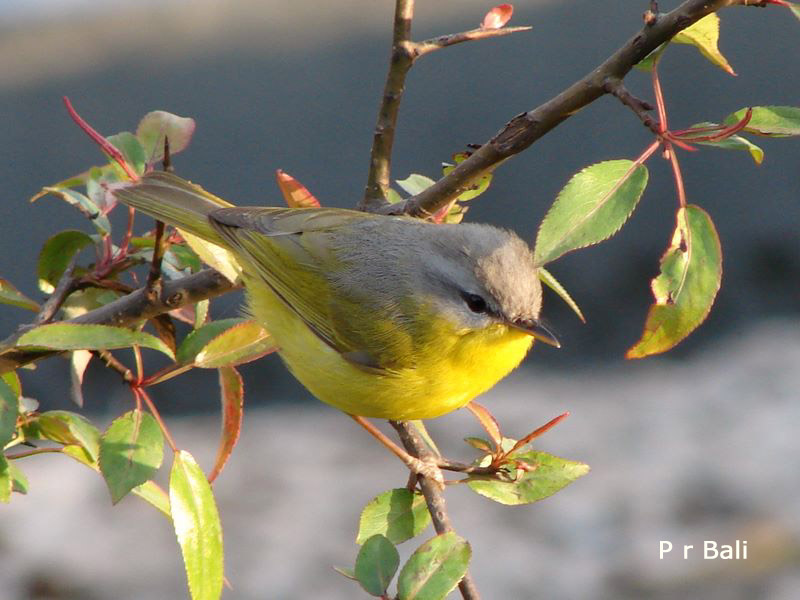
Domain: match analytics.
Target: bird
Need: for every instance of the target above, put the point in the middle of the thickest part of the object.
(379, 316)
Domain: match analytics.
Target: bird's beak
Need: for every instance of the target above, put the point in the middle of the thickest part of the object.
(537, 330)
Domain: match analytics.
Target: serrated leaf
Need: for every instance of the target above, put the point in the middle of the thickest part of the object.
(67, 428)
(773, 121)
(12, 380)
(56, 254)
(547, 278)
(434, 569)
(80, 302)
(684, 291)
(9, 409)
(232, 397)
(11, 295)
(398, 514)
(592, 207)
(295, 194)
(550, 474)
(131, 451)
(704, 35)
(415, 183)
(200, 337)
(85, 205)
(201, 313)
(734, 142)
(157, 125)
(240, 344)
(376, 564)
(479, 444)
(131, 149)
(73, 336)
(153, 494)
(197, 527)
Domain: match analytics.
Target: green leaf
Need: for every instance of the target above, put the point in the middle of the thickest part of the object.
(200, 337)
(704, 35)
(6, 483)
(131, 451)
(197, 527)
(232, 397)
(734, 142)
(87, 207)
(795, 8)
(56, 254)
(67, 428)
(773, 121)
(240, 344)
(131, 149)
(376, 564)
(201, 313)
(399, 514)
(548, 475)
(647, 63)
(73, 336)
(157, 125)
(691, 271)
(9, 409)
(392, 197)
(19, 482)
(415, 183)
(435, 568)
(592, 207)
(547, 278)
(151, 492)
(12, 380)
(11, 295)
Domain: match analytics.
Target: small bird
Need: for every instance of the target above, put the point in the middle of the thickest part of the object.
(379, 316)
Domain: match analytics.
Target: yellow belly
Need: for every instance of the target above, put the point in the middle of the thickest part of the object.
(450, 371)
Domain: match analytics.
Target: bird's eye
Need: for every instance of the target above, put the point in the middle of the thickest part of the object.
(475, 303)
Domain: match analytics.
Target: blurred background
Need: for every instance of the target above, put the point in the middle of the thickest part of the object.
(698, 444)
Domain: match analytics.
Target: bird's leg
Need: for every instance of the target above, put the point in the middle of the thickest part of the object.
(427, 467)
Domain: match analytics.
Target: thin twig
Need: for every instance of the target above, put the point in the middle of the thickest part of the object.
(526, 128)
(434, 496)
(66, 285)
(114, 364)
(443, 41)
(639, 107)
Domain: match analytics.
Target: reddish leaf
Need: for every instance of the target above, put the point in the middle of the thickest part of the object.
(487, 421)
(232, 396)
(294, 192)
(497, 17)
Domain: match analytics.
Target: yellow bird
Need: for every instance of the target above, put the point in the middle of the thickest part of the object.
(379, 316)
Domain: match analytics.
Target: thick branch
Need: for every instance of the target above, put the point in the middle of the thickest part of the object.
(128, 310)
(524, 129)
(434, 496)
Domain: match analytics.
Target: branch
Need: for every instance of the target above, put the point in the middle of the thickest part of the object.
(434, 496)
(126, 311)
(526, 128)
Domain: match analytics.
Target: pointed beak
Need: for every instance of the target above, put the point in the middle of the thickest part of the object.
(537, 330)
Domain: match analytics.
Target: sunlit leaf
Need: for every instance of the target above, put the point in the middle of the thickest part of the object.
(12, 380)
(56, 254)
(434, 569)
(11, 295)
(691, 271)
(85, 205)
(376, 564)
(647, 63)
(131, 149)
(9, 409)
(78, 361)
(795, 8)
(240, 344)
(592, 207)
(399, 514)
(6, 483)
(415, 183)
(157, 125)
(152, 493)
(734, 142)
(67, 427)
(232, 397)
(19, 482)
(550, 474)
(197, 527)
(497, 17)
(704, 35)
(551, 282)
(200, 337)
(773, 121)
(131, 451)
(294, 193)
(72, 336)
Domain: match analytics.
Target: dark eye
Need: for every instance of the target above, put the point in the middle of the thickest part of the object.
(475, 303)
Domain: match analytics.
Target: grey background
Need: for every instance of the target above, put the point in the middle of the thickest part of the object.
(296, 87)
